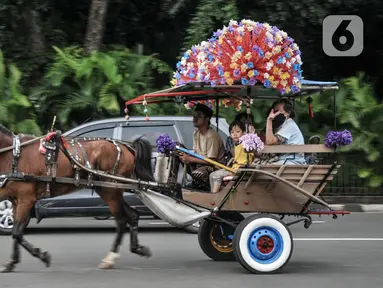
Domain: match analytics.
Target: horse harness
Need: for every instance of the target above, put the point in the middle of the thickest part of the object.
(50, 146)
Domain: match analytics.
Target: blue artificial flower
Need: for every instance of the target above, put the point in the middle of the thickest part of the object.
(186, 55)
(244, 81)
(212, 39)
(178, 64)
(287, 55)
(280, 59)
(267, 84)
(250, 65)
(240, 49)
(256, 73)
(294, 89)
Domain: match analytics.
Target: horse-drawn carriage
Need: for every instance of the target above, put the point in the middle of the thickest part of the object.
(267, 64)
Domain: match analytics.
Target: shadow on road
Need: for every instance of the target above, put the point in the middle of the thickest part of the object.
(98, 230)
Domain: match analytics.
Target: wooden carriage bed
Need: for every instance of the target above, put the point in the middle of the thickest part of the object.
(273, 188)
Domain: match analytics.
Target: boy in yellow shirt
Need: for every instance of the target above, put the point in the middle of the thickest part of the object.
(237, 129)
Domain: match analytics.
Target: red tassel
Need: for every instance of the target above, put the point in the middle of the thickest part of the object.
(311, 110)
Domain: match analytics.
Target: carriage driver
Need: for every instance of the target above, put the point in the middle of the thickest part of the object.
(206, 142)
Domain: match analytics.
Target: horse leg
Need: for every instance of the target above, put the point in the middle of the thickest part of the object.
(123, 214)
(117, 211)
(23, 209)
(15, 256)
(133, 218)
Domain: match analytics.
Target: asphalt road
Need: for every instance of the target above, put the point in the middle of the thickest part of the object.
(347, 252)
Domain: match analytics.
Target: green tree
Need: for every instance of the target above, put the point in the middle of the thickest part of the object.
(16, 111)
(80, 86)
(358, 111)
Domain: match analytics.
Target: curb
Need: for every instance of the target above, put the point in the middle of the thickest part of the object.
(358, 207)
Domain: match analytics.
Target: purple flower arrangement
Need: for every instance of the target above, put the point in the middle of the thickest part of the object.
(165, 144)
(335, 139)
(251, 142)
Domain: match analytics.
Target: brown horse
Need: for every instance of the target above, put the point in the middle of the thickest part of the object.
(101, 155)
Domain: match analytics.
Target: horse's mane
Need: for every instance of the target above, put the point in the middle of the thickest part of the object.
(6, 131)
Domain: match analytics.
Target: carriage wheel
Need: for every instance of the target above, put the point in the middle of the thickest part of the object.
(215, 239)
(262, 244)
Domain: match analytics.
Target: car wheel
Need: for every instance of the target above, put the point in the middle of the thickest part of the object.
(102, 217)
(194, 228)
(6, 217)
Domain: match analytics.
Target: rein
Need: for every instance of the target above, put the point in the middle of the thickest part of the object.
(9, 148)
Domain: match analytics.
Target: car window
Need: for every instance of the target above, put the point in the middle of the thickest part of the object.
(151, 133)
(222, 134)
(95, 132)
(187, 129)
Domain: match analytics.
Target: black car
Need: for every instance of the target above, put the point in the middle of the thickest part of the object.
(84, 203)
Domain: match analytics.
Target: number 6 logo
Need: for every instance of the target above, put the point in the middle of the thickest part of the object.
(342, 35)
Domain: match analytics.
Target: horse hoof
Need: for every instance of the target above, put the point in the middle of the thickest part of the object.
(144, 251)
(7, 268)
(46, 258)
(106, 265)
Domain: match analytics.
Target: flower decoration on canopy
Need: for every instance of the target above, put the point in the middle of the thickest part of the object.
(165, 144)
(247, 52)
(251, 143)
(208, 103)
(335, 139)
(232, 102)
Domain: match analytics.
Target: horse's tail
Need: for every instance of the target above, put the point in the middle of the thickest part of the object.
(143, 160)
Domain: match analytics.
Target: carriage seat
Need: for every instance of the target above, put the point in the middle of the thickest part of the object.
(310, 151)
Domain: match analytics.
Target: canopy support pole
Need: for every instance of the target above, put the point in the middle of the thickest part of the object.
(216, 111)
(334, 110)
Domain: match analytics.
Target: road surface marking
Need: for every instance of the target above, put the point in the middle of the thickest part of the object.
(318, 222)
(338, 239)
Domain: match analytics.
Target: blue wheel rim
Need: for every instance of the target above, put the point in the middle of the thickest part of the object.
(269, 252)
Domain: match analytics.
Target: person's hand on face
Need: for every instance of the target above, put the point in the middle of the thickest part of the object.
(273, 114)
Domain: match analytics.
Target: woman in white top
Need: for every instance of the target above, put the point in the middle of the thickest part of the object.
(287, 134)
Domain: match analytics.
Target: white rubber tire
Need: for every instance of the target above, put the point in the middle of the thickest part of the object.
(241, 240)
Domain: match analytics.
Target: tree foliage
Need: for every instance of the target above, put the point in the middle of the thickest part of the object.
(78, 86)
(16, 111)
